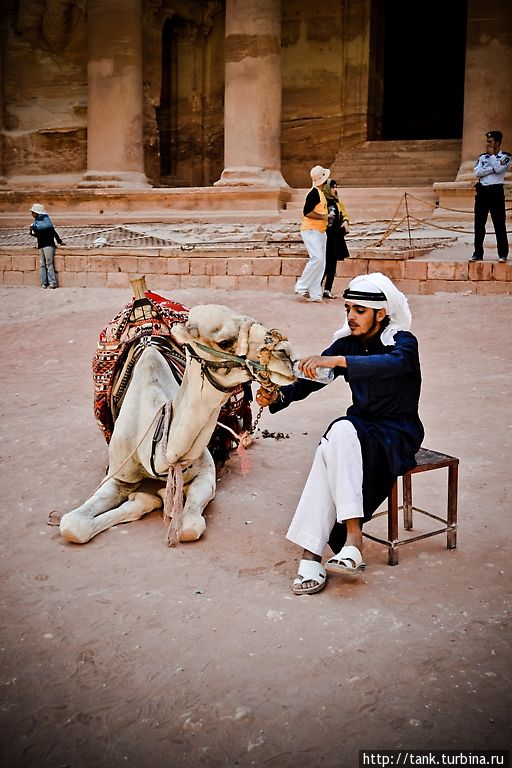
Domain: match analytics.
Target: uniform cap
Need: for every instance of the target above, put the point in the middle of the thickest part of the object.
(496, 135)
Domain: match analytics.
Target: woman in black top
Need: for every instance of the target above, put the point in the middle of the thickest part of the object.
(337, 228)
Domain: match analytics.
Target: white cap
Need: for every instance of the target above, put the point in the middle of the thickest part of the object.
(38, 208)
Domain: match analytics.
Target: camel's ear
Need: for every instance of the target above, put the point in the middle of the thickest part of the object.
(183, 333)
(243, 336)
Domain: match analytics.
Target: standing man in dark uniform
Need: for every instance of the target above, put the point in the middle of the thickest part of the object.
(490, 196)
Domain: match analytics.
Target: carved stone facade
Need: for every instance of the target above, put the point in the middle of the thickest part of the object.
(195, 93)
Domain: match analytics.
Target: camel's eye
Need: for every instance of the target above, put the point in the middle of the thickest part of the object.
(226, 344)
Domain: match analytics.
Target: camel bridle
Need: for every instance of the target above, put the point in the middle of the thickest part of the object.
(258, 370)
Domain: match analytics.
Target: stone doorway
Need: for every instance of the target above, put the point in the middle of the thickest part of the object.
(417, 63)
(189, 117)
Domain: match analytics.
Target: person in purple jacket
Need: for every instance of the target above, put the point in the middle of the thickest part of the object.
(362, 453)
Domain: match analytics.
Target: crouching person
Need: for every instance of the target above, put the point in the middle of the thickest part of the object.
(362, 453)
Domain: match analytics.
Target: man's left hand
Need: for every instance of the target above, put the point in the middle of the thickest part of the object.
(264, 398)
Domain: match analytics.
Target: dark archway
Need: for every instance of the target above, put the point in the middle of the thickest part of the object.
(417, 65)
(190, 114)
(166, 114)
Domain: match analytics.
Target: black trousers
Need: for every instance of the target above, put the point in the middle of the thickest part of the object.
(335, 250)
(490, 200)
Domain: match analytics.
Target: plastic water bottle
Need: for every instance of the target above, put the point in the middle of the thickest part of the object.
(323, 375)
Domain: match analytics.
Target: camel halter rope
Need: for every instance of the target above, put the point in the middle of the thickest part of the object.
(259, 371)
(173, 499)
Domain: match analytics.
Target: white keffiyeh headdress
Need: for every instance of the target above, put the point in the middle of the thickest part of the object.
(378, 292)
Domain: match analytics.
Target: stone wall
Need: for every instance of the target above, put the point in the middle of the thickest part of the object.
(272, 269)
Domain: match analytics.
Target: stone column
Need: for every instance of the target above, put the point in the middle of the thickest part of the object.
(252, 109)
(3, 181)
(115, 155)
(487, 85)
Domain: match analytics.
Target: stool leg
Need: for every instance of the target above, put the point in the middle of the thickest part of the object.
(453, 479)
(407, 501)
(393, 525)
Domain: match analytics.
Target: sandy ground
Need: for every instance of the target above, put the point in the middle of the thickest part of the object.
(123, 652)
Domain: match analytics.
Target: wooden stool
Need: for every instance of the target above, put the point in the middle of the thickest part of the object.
(425, 461)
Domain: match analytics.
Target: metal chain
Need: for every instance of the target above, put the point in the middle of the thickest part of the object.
(256, 420)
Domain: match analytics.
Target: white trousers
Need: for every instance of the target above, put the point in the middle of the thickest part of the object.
(313, 272)
(333, 490)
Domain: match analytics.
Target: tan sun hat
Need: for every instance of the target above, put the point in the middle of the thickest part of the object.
(319, 175)
(38, 208)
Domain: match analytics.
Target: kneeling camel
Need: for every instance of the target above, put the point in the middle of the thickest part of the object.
(158, 453)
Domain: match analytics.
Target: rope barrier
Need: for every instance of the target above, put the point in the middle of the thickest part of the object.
(441, 207)
(393, 226)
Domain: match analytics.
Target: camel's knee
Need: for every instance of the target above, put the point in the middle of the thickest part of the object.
(76, 528)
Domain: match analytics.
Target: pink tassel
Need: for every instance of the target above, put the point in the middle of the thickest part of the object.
(244, 440)
(173, 505)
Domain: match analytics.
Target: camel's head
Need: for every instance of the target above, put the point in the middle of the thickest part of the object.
(237, 347)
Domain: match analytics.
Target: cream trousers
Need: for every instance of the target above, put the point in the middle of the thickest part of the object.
(311, 278)
(333, 491)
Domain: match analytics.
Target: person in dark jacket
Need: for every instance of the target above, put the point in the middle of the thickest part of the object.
(362, 453)
(43, 229)
(337, 227)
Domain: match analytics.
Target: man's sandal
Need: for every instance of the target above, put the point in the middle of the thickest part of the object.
(309, 570)
(348, 560)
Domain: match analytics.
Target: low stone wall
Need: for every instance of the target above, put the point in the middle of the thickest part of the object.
(271, 269)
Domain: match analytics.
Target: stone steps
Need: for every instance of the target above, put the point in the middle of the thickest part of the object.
(397, 163)
(372, 203)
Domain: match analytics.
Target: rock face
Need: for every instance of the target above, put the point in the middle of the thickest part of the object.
(46, 89)
(62, 107)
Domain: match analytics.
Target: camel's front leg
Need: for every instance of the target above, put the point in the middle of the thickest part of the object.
(199, 483)
(104, 509)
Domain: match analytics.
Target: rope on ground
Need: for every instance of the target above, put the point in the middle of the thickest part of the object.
(391, 228)
(89, 233)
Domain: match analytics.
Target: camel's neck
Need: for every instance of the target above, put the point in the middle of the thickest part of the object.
(195, 411)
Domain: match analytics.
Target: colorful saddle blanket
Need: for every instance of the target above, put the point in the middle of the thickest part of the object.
(153, 316)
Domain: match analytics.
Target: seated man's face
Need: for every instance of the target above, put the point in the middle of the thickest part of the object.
(363, 321)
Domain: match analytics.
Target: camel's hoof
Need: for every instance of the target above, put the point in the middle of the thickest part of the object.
(192, 530)
(72, 536)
